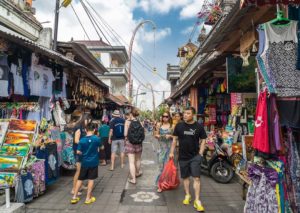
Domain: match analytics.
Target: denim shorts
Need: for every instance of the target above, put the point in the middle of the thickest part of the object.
(118, 144)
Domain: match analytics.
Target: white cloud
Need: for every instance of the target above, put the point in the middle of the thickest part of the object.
(188, 8)
(159, 35)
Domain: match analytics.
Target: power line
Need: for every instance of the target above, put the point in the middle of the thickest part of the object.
(117, 37)
(80, 21)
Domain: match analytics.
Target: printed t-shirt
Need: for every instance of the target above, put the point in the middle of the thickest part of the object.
(188, 137)
(88, 146)
(18, 80)
(35, 81)
(4, 76)
(47, 82)
(117, 125)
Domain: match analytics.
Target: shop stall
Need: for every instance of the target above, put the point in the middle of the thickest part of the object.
(40, 89)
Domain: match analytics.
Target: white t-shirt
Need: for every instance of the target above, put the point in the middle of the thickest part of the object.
(35, 80)
(18, 80)
(41, 79)
(47, 82)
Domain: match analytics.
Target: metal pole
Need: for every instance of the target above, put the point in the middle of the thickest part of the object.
(56, 25)
(7, 198)
(130, 54)
(153, 100)
(137, 94)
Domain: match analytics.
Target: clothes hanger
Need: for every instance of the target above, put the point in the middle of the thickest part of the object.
(280, 20)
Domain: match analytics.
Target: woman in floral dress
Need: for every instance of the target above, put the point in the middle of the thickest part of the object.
(165, 138)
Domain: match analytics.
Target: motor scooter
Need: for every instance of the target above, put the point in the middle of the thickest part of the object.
(218, 164)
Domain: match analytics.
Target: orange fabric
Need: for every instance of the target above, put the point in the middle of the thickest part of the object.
(29, 2)
(194, 97)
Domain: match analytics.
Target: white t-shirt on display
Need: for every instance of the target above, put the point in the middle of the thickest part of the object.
(18, 80)
(47, 82)
(35, 80)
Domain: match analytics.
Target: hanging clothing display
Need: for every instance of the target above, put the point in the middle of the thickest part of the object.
(18, 79)
(261, 195)
(261, 138)
(280, 50)
(289, 111)
(38, 172)
(4, 76)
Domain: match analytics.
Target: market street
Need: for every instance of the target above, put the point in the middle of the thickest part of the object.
(113, 192)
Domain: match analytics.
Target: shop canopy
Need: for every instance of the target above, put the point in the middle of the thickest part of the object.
(119, 100)
(59, 58)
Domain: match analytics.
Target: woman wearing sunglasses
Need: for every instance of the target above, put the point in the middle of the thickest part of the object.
(164, 135)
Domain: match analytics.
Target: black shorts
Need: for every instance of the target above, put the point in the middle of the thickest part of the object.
(88, 173)
(191, 167)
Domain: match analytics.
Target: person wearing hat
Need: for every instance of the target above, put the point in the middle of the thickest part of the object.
(116, 138)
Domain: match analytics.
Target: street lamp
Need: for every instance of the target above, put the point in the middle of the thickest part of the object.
(137, 91)
(136, 97)
(130, 51)
(153, 99)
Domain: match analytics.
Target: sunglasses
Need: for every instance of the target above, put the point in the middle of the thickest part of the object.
(165, 116)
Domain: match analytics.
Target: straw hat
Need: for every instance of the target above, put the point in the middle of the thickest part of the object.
(116, 113)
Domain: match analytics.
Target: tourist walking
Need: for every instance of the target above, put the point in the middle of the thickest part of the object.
(88, 149)
(134, 136)
(103, 133)
(191, 136)
(164, 136)
(116, 138)
(79, 132)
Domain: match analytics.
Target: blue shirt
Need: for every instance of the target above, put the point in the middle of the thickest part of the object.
(88, 146)
(117, 125)
(104, 131)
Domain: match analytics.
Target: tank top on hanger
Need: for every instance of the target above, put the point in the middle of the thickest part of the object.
(281, 52)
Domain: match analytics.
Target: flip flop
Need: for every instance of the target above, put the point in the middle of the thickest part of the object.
(139, 175)
(75, 200)
(92, 200)
(79, 193)
(110, 169)
(131, 181)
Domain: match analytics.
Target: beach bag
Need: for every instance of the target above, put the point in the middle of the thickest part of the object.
(136, 132)
(169, 178)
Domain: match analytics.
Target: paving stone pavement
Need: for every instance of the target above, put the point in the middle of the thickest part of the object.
(115, 194)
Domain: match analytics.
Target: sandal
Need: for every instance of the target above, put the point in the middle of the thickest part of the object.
(111, 169)
(139, 175)
(75, 200)
(92, 200)
(79, 193)
(103, 164)
(159, 190)
(131, 181)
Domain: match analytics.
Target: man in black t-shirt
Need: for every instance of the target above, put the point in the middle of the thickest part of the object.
(191, 136)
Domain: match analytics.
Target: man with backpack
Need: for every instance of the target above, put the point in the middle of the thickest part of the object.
(135, 135)
(116, 138)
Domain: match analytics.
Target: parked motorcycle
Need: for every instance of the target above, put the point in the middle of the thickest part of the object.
(218, 164)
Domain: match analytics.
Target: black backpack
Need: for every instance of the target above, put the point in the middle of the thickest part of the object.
(136, 132)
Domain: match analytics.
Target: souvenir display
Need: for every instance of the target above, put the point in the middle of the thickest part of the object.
(3, 130)
(22, 125)
(7, 178)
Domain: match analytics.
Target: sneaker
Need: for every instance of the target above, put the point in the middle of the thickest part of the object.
(198, 206)
(187, 199)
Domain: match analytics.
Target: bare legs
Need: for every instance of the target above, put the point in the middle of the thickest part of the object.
(75, 179)
(90, 189)
(122, 160)
(138, 163)
(196, 186)
(186, 184)
(132, 167)
(112, 161)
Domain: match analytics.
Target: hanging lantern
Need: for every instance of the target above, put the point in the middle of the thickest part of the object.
(66, 3)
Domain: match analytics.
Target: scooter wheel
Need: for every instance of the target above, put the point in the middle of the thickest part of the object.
(222, 172)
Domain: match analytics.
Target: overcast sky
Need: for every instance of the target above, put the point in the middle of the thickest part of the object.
(174, 20)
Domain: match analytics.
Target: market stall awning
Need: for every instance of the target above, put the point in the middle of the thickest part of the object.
(59, 58)
(114, 99)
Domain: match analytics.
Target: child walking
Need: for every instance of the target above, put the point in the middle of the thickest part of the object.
(88, 148)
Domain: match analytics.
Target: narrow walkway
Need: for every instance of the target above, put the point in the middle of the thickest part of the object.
(115, 194)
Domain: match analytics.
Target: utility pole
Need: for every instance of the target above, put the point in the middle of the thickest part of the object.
(56, 25)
